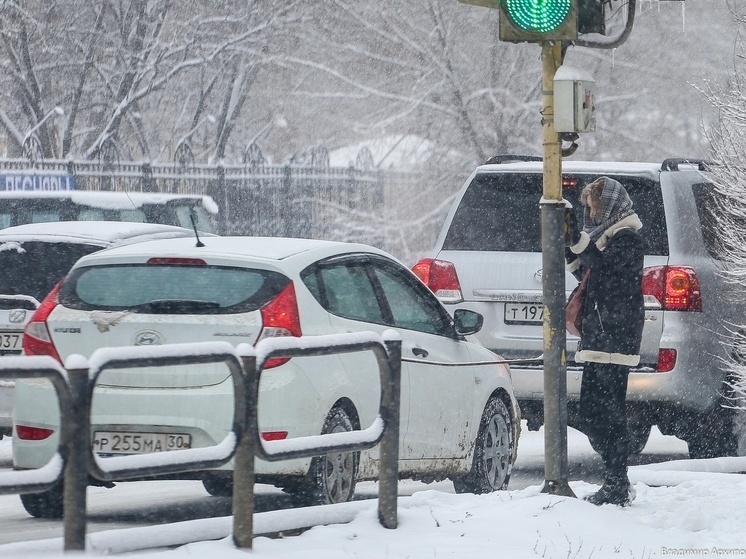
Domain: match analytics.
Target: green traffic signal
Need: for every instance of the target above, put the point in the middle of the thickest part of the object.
(541, 16)
(538, 20)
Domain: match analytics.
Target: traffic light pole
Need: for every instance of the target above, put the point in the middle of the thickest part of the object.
(553, 287)
(549, 23)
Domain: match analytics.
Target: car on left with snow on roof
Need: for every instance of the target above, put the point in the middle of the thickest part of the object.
(35, 256)
(459, 417)
(18, 207)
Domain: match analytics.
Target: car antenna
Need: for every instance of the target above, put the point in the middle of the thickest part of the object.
(194, 226)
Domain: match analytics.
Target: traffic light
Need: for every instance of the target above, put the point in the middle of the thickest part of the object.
(535, 21)
(538, 20)
(591, 17)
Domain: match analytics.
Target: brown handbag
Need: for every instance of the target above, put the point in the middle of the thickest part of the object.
(574, 309)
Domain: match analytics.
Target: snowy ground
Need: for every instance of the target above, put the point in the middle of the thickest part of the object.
(683, 508)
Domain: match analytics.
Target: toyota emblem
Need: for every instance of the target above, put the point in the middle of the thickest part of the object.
(17, 316)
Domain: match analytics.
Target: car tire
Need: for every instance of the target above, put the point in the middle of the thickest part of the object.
(218, 486)
(47, 504)
(715, 437)
(493, 452)
(639, 433)
(331, 478)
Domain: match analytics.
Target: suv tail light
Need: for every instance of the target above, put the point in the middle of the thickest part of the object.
(440, 276)
(675, 288)
(280, 317)
(36, 338)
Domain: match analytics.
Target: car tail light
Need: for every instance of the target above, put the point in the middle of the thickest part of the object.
(274, 435)
(36, 338)
(32, 433)
(441, 277)
(280, 317)
(674, 288)
(666, 360)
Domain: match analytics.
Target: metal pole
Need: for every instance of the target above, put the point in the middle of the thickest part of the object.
(389, 465)
(243, 461)
(553, 287)
(77, 434)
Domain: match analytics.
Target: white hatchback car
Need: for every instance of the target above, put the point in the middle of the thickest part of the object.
(35, 256)
(459, 417)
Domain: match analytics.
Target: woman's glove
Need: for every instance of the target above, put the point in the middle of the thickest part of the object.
(572, 231)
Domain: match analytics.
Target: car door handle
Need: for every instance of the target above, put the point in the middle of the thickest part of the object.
(419, 352)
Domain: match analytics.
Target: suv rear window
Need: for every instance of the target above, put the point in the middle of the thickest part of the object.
(170, 289)
(500, 212)
(33, 268)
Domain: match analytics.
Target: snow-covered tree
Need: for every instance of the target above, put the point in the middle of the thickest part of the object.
(727, 218)
(126, 71)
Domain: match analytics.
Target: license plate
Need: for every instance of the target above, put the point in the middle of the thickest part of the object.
(524, 313)
(11, 341)
(114, 442)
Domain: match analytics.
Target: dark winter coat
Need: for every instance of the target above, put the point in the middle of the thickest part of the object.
(614, 309)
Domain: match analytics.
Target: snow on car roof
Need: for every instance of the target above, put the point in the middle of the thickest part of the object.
(604, 167)
(103, 233)
(235, 248)
(112, 200)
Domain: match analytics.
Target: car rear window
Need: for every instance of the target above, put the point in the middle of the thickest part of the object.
(170, 289)
(500, 212)
(33, 268)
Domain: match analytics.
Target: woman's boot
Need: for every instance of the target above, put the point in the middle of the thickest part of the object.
(616, 490)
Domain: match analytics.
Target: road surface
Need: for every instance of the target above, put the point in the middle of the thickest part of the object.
(156, 502)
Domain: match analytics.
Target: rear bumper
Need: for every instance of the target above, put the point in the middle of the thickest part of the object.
(646, 390)
(6, 407)
(206, 414)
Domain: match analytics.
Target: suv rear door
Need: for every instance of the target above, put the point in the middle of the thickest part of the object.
(493, 237)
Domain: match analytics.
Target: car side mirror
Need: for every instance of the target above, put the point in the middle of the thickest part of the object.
(467, 322)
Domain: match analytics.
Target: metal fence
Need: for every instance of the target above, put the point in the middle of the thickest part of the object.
(75, 460)
(311, 201)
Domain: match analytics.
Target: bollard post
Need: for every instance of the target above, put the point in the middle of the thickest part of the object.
(243, 460)
(76, 434)
(389, 466)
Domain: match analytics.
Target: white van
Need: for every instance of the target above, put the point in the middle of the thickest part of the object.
(18, 207)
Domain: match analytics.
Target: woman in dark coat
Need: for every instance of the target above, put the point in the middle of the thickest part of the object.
(611, 247)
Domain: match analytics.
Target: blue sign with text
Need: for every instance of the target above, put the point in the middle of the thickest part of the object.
(38, 183)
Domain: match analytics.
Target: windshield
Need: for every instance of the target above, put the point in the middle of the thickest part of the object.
(41, 210)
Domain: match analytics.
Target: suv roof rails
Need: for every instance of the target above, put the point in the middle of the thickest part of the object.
(672, 164)
(498, 159)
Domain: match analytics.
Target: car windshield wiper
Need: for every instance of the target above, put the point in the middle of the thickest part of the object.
(179, 305)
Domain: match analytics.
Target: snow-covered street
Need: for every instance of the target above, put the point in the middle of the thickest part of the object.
(683, 508)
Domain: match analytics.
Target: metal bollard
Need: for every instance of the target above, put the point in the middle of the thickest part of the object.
(389, 466)
(243, 469)
(76, 434)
